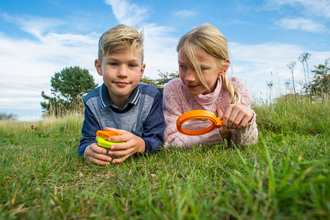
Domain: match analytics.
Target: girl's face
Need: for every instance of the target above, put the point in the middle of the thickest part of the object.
(210, 72)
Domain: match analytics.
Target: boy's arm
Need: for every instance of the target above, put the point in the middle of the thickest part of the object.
(153, 127)
(88, 131)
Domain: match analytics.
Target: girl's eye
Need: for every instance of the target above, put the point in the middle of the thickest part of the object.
(182, 66)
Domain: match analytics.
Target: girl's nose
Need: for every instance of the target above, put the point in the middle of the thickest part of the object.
(190, 76)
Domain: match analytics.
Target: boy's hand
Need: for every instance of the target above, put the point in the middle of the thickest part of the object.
(97, 155)
(236, 116)
(133, 144)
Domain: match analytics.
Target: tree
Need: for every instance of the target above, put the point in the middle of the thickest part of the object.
(165, 76)
(321, 80)
(7, 117)
(68, 88)
(148, 80)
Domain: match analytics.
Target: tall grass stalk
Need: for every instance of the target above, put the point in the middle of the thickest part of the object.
(289, 114)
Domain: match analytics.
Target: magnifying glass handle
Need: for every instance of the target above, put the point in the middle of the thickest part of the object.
(218, 123)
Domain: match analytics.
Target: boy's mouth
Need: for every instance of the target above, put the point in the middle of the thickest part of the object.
(121, 84)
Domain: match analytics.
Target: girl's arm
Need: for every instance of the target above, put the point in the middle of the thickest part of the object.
(248, 134)
(175, 104)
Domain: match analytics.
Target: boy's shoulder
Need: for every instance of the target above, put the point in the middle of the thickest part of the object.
(94, 93)
(148, 89)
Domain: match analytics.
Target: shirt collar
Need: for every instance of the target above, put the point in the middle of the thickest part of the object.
(106, 100)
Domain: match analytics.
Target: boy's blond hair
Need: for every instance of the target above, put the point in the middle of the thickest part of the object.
(120, 38)
(211, 40)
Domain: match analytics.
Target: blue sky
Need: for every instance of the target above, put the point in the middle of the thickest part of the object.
(41, 37)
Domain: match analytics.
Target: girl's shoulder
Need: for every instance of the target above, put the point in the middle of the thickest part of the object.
(174, 82)
(236, 82)
(174, 85)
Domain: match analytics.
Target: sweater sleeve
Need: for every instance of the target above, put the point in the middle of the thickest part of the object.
(175, 104)
(153, 127)
(249, 134)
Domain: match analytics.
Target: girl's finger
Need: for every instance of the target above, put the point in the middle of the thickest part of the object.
(244, 122)
(238, 120)
(219, 111)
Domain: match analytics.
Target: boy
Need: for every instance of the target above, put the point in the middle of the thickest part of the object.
(122, 104)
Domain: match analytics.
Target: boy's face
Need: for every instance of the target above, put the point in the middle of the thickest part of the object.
(121, 73)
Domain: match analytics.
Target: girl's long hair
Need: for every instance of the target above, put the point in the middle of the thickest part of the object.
(211, 40)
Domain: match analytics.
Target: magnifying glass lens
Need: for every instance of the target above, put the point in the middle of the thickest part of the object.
(197, 124)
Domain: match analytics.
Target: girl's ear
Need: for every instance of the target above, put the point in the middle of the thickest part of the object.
(224, 67)
(98, 67)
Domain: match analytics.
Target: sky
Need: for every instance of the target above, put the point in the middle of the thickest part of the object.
(41, 37)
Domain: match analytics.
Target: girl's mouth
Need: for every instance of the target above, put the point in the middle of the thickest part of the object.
(192, 87)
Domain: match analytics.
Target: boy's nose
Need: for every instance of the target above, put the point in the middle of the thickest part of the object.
(122, 71)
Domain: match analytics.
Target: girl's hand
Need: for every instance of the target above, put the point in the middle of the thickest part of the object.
(133, 144)
(224, 132)
(97, 155)
(236, 116)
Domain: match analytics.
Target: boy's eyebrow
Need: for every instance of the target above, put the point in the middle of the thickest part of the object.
(114, 59)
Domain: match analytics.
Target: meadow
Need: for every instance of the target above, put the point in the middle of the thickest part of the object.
(286, 175)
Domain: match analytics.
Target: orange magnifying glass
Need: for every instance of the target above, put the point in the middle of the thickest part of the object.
(197, 122)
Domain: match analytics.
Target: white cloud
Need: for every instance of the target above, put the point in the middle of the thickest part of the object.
(253, 64)
(315, 8)
(127, 12)
(186, 13)
(301, 24)
(160, 52)
(27, 65)
(34, 25)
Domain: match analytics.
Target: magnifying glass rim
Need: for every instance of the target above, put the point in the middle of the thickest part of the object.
(194, 114)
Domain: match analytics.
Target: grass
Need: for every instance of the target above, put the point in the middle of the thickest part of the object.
(285, 175)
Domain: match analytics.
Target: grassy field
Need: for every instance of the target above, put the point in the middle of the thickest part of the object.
(285, 176)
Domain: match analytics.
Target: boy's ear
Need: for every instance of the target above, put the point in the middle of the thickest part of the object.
(224, 67)
(98, 67)
(143, 67)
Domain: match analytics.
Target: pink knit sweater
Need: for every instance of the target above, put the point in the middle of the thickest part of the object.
(178, 101)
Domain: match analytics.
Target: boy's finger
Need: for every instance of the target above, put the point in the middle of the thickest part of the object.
(114, 129)
(122, 138)
(97, 161)
(94, 155)
(96, 148)
(119, 160)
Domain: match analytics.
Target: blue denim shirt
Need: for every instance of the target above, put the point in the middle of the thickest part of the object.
(142, 115)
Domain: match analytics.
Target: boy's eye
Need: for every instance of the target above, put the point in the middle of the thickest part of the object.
(132, 65)
(113, 64)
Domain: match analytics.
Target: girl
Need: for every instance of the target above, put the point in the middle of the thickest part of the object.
(204, 84)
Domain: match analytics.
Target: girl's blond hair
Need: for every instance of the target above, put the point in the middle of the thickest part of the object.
(211, 40)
